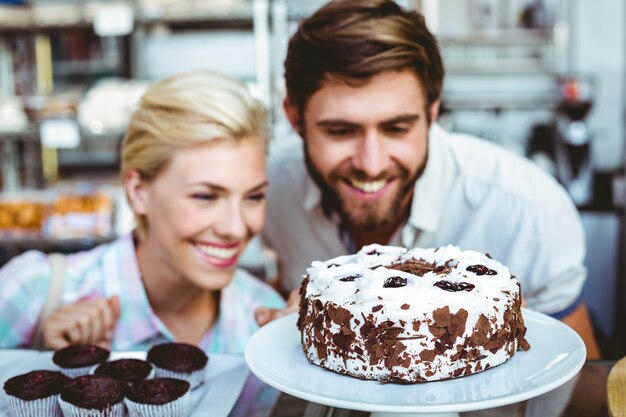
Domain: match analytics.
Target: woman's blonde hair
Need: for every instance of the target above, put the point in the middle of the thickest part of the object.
(184, 110)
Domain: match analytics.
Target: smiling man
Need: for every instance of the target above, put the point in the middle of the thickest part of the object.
(364, 81)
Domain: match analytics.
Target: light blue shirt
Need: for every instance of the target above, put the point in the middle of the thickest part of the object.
(111, 269)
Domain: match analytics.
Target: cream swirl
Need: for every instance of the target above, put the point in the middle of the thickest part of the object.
(361, 278)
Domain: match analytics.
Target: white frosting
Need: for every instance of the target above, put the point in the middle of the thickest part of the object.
(420, 292)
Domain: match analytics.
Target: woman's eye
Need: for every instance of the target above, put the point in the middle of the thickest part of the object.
(204, 196)
(257, 197)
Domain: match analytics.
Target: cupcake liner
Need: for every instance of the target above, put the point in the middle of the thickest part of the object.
(70, 410)
(75, 372)
(195, 378)
(176, 408)
(48, 406)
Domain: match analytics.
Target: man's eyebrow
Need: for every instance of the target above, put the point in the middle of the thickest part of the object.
(334, 122)
(405, 118)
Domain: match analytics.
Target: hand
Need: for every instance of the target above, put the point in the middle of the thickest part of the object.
(264, 315)
(83, 322)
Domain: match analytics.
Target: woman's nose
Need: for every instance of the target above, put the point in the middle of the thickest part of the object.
(231, 222)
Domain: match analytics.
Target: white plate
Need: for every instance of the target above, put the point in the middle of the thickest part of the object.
(225, 377)
(557, 353)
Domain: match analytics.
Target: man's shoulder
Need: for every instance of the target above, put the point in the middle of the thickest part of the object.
(286, 172)
(286, 160)
(485, 164)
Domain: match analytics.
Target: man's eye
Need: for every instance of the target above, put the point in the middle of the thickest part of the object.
(340, 132)
(204, 196)
(396, 130)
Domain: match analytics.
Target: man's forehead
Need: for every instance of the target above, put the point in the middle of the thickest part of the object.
(385, 96)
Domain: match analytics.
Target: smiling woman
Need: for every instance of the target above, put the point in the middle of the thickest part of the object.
(193, 167)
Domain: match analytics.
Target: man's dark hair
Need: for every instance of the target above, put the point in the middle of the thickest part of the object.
(354, 40)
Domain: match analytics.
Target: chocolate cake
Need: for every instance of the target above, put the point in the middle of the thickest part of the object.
(128, 370)
(35, 393)
(179, 360)
(77, 360)
(398, 315)
(93, 395)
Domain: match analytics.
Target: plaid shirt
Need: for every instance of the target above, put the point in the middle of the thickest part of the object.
(112, 269)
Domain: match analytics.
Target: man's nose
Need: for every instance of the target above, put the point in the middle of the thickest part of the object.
(371, 155)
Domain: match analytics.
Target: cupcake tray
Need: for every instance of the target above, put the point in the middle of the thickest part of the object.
(225, 378)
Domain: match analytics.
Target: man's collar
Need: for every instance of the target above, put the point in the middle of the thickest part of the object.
(427, 194)
(312, 194)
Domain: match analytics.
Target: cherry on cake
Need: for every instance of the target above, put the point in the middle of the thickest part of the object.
(396, 315)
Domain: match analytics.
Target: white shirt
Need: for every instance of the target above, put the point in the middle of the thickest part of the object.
(472, 194)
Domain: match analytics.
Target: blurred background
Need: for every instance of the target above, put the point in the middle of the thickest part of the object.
(543, 78)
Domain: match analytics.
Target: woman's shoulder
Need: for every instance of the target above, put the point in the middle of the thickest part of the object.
(35, 267)
(24, 267)
(254, 290)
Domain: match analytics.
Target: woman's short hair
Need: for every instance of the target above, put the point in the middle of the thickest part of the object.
(354, 40)
(184, 110)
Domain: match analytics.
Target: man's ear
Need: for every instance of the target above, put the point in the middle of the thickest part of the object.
(293, 115)
(136, 192)
(433, 111)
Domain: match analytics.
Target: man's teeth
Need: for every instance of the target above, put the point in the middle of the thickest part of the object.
(221, 253)
(368, 186)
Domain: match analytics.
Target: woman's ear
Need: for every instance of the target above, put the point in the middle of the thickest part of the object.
(136, 192)
(293, 115)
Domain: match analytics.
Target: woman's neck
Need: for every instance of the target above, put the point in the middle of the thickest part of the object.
(187, 311)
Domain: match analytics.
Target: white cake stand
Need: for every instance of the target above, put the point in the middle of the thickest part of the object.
(557, 353)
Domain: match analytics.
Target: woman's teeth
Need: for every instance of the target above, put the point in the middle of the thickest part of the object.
(368, 186)
(217, 252)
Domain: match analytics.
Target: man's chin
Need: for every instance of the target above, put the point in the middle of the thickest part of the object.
(366, 222)
(371, 216)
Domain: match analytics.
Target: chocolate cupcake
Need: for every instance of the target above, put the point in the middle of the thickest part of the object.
(77, 360)
(93, 396)
(167, 397)
(179, 360)
(35, 393)
(128, 370)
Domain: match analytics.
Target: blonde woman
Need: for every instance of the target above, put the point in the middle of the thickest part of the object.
(193, 168)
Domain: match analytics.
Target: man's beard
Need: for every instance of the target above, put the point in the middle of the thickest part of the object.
(370, 220)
